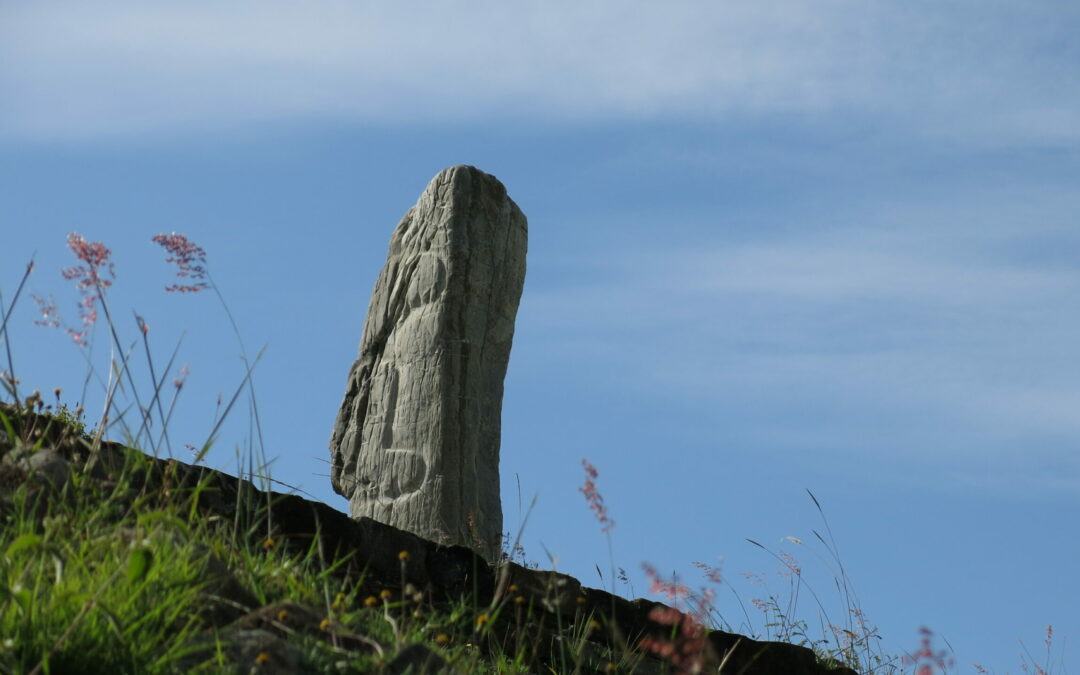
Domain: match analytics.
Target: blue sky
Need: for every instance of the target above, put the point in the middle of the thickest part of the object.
(773, 247)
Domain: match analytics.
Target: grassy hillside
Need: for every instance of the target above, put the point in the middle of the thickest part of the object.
(114, 561)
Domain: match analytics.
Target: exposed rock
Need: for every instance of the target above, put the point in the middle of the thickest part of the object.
(282, 618)
(226, 596)
(43, 464)
(41, 470)
(416, 442)
(418, 659)
(290, 618)
(243, 651)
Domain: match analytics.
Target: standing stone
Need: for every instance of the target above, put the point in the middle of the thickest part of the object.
(416, 442)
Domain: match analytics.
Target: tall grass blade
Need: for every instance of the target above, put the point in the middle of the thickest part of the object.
(4, 323)
(213, 432)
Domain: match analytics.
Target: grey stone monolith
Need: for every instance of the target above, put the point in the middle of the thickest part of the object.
(416, 442)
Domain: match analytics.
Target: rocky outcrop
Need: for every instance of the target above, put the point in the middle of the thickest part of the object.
(416, 441)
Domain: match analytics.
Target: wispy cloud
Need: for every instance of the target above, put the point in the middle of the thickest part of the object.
(122, 67)
(915, 341)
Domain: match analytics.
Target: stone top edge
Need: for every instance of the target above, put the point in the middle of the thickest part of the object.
(464, 168)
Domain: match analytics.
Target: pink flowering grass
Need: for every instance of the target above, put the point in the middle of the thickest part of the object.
(50, 313)
(1028, 662)
(686, 648)
(190, 260)
(854, 642)
(594, 498)
(926, 660)
(93, 276)
(691, 613)
(596, 503)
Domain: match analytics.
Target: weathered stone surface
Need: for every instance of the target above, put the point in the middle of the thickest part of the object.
(416, 442)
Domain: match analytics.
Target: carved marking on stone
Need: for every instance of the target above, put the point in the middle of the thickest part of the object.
(407, 477)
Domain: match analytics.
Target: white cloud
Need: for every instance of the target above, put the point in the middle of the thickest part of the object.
(121, 67)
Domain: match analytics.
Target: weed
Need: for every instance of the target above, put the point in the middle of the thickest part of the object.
(599, 509)
(926, 660)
